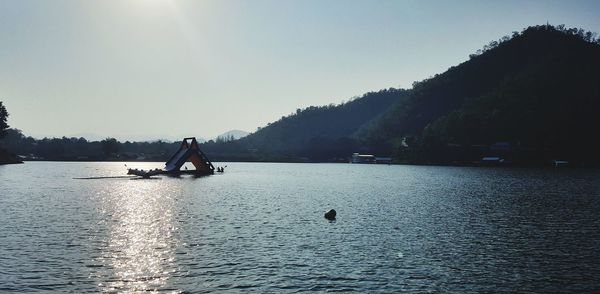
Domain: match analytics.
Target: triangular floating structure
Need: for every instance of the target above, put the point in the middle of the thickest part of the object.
(189, 151)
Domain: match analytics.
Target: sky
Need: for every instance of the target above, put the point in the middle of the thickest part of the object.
(150, 69)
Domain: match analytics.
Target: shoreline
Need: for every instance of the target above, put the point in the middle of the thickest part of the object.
(8, 158)
(507, 166)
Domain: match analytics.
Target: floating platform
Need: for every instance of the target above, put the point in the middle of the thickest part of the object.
(189, 151)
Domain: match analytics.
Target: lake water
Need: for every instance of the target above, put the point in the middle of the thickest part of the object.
(259, 227)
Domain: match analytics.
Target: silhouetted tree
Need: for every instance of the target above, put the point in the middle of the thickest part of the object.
(3, 120)
(110, 146)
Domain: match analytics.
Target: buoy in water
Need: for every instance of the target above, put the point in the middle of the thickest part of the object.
(330, 214)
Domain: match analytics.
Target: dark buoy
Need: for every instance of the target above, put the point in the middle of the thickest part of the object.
(330, 214)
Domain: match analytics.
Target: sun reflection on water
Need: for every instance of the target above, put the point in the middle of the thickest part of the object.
(141, 236)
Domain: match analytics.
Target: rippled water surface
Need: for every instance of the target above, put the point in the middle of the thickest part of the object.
(259, 228)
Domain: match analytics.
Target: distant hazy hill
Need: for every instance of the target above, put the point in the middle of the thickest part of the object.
(233, 134)
(537, 91)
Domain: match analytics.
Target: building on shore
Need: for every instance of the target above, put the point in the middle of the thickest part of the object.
(368, 158)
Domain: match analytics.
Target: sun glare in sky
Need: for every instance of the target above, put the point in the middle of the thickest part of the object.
(152, 4)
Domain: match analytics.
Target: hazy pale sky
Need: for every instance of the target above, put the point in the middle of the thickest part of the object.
(146, 69)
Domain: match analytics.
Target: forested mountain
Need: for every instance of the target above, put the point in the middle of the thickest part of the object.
(536, 93)
(527, 98)
(314, 133)
(292, 132)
